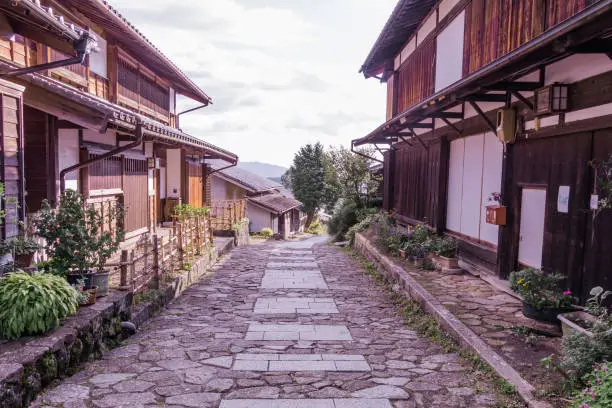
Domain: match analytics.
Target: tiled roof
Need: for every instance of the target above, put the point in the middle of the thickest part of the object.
(251, 181)
(276, 202)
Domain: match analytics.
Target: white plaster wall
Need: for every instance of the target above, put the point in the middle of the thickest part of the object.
(173, 173)
(259, 217)
(408, 49)
(472, 186)
(148, 146)
(577, 67)
(218, 189)
(68, 152)
(428, 26)
(162, 183)
(491, 183)
(445, 7)
(108, 138)
(449, 53)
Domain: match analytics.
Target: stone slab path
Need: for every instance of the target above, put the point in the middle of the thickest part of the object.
(290, 325)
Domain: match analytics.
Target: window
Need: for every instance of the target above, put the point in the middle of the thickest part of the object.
(474, 173)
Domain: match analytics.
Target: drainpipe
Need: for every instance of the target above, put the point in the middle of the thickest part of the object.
(223, 168)
(89, 162)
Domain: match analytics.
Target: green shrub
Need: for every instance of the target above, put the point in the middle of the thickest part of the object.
(420, 234)
(266, 233)
(34, 304)
(316, 228)
(598, 393)
(343, 218)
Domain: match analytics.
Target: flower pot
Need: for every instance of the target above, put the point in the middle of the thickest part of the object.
(91, 296)
(24, 261)
(447, 263)
(73, 278)
(100, 279)
(547, 314)
(570, 323)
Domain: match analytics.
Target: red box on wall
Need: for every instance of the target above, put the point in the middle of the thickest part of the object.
(496, 214)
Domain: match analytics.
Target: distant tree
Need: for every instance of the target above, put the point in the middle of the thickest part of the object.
(333, 189)
(308, 179)
(286, 179)
(353, 176)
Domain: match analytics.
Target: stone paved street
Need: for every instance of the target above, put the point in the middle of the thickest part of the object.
(277, 324)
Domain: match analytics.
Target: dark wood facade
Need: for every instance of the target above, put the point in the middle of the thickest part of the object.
(551, 151)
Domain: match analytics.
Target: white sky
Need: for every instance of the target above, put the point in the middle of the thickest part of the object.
(281, 73)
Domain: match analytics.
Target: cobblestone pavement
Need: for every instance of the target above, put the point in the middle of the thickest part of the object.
(495, 316)
(319, 333)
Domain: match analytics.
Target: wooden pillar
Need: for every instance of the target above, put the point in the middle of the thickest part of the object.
(442, 185)
(389, 180)
(123, 279)
(506, 256)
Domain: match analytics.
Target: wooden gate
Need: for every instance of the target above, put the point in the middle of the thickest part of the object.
(136, 194)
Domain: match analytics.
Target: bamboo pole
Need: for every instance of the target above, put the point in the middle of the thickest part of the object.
(124, 269)
(156, 260)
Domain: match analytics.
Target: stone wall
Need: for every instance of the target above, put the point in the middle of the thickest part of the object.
(28, 365)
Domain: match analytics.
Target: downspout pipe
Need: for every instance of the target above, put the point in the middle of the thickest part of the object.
(223, 168)
(114, 152)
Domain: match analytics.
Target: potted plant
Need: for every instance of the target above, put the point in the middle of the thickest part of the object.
(23, 250)
(543, 299)
(446, 251)
(75, 240)
(582, 321)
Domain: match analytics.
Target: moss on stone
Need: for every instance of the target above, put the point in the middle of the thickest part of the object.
(76, 350)
(47, 367)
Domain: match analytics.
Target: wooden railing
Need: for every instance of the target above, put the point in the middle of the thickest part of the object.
(157, 258)
(226, 213)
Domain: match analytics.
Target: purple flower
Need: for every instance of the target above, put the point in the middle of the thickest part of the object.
(567, 292)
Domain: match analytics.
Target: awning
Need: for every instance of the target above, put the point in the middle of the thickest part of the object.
(494, 82)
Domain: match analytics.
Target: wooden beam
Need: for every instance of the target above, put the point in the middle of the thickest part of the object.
(485, 98)
(597, 46)
(446, 115)
(418, 126)
(452, 126)
(521, 98)
(485, 117)
(515, 86)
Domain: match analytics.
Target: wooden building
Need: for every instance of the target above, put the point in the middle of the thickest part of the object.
(269, 205)
(104, 122)
(501, 99)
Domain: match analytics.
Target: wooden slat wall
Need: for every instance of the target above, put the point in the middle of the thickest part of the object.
(558, 11)
(10, 138)
(416, 76)
(36, 129)
(105, 174)
(98, 86)
(195, 184)
(136, 194)
(390, 97)
(416, 182)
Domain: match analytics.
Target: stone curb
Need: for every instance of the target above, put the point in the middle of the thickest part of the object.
(457, 329)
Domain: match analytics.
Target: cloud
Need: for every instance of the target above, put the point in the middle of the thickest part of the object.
(280, 73)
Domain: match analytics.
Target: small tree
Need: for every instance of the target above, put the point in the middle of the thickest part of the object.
(308, 179)
(74, 237)
(354, 178)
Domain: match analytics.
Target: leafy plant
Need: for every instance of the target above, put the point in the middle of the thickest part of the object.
(73, 232)
(594, 304)
(23, 246)
(446, 247)
(185, 211)
(420, 234)
(266, 233)
(598, 392)
(345, 216)
(34, 304)
(580, 351)
(540, 290)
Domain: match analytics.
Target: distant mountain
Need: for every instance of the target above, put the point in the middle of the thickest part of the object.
(263, 169)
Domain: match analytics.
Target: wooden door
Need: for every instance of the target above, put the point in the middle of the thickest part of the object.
(531, 238)
(136, 194)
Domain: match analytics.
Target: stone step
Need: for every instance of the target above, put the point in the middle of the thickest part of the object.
(300, 362)
(307, 403)
(292, 305)
(310, 332)
(283, 279)
(295, 264)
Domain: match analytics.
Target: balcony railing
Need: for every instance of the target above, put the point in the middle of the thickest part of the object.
(139, 92)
